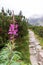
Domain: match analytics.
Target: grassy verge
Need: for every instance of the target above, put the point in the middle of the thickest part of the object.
(23, 47)
(40, 39)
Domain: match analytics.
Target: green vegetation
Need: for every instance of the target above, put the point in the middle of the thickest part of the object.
(10, 57)
(40, 39)
(20, 54)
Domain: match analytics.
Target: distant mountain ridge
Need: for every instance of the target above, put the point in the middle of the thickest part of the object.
(38, 21)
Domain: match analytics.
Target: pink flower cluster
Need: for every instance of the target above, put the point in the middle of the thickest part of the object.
(13, 29)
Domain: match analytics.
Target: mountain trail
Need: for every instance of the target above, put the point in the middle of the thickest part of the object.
(35, 50)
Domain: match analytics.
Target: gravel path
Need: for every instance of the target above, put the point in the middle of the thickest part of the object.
(34, 44)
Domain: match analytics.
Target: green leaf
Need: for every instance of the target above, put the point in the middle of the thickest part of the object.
(15, 63)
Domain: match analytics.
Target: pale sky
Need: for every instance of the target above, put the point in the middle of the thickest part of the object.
(28, 7)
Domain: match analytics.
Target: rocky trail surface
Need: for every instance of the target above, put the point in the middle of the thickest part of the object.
(36, 52)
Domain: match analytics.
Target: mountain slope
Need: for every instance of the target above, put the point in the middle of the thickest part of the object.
(38, 21)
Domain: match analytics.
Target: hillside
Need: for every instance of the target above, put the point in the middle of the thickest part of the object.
(38, 21)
